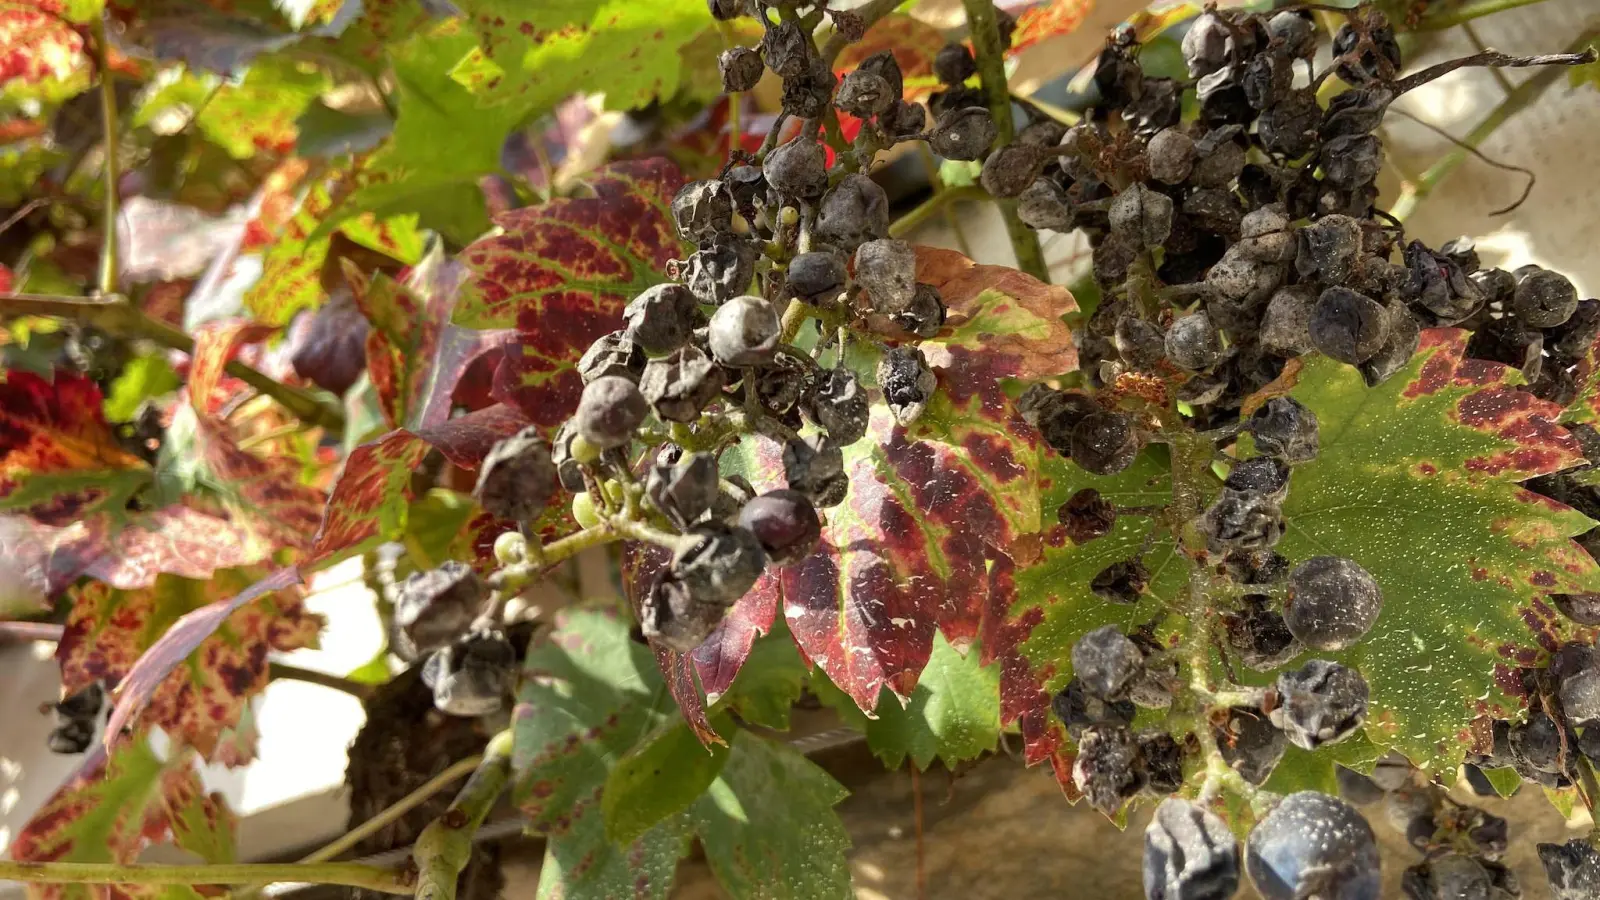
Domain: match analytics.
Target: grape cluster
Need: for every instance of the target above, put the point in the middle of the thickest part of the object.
(1227, 242)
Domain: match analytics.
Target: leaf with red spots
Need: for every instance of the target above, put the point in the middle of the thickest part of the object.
(562, 272)
(1585, 407)
(42, 56)
(109, 629)
(59, 460)
(401, 344)
(254, 115)
(1417, 481)
(535, 55)
(369, 497)
(914, 43)
(588, 696)
(114, 807)
(262, 493)
(146, 681)
(1047, 20)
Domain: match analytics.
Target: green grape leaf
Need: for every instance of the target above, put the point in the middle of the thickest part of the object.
(588, 696)
(143, 378)
(23, 163)
(1313, 770)
(769, 828)
(561, 273)
(583, 861)
(255, 115)
(1417, 482)
(324, 132)
(954, 713)
(114, 807)
(444, 140)
(533, 56)
(658, 779)
(1505, 781)
(107, 630)
(291, 274)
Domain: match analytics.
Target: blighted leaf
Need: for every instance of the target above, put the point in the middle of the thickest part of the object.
(588, 695)
(370, 495)
(215, 345)
(1041, 607)
(45, 59)
(562, 272)
(109, 629)
(402, 343)
(1047, 20)
(1417, 482)
(114, 807)
(914, 44)
(255, 115)
(658, 779)
(768, 825)
(59, 460)
(1585, 406)
(719, 660)
(261, 492)
(444, 140)
(771, 679)
(954, 713)
(533, 56)
(582, 861)
(642, 565)
(149, 672)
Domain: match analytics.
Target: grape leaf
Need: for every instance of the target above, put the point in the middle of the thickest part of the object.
(583, 861)
(325, 132)
(369, 496)
(1047, 20)
(562, 272)
(533, 56)
(1417, 482)
(261, 493)
(954, 713)
(914, 44)
(59, 460)
(143, 378)
(149, 672)
(658, 779)
(768, 825)
(719, 660)
(44, 60)
(24, 162)
(1585, 405)
(642, 564)
(109, 629)
(402, 342)
(255, 115)
(115, 806)
(769, 682)
(1002, 323)
(444, 140)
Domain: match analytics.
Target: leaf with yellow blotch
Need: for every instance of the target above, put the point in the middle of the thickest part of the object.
(108, 630)
(116, 805)
(44, 59)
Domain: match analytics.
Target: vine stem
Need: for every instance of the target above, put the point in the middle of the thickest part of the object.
(931, 207)
(400, 807)
(348, 874)
(276, 670)
(108, 117)
(117, 315)
(1520, 98)
(990, 55)
(445, 846)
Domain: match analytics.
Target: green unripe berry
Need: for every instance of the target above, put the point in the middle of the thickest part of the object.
(584, 512)
(614, 492)
(511, 548)
(583, 450)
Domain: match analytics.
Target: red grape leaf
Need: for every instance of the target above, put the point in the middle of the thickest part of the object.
(719, 659)
(59, 460)
(43, 58)
(263, 494)
(113, 807)
(914, 42)
(561, 273)
(1047, 20)
(108, 630)
(215, 344)
(1585, 407)
(403, 340)
(146, 678)
(371, 493)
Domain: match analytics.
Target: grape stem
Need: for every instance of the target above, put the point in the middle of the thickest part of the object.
(279, 670)
(990, 56)
(932, 206)
(445, 846)
(108, 118)
(116, 314)
(372, 878)
(1466, 12)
